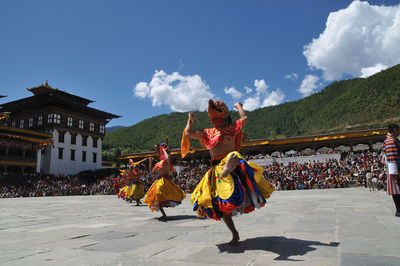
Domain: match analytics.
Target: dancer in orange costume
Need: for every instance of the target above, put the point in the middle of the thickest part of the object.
(163, 192)
(232, 185)
(136, 188)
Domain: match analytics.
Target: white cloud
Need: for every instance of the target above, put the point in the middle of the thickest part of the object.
(261, 86)
(308, 85)
(355, 39)
(180, 93)
(274, 98)
(261, 96)
(233, 92)
(248, 90)
(251, 103)
(141, 90)
(369, 71)
(292, 76)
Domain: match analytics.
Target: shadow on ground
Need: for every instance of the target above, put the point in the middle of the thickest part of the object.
(179, 217)
(284, 247)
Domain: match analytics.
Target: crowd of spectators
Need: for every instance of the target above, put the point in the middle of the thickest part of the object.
(54, 185)
(353, 169)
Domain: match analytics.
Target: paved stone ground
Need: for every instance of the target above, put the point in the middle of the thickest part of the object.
(318, 227)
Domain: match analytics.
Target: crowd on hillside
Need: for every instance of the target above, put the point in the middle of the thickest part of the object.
(352, 169)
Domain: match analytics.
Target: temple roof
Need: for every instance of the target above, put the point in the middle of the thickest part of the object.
(46, 89)
(45, 96)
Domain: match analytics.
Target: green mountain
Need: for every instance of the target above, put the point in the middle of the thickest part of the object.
(341, 106)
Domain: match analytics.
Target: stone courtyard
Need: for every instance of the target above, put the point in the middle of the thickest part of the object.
(315, 227)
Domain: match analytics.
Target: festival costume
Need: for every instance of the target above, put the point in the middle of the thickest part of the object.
(390, 148)
(243, 190)
(163, 191)
(133, 191)
(122, 192)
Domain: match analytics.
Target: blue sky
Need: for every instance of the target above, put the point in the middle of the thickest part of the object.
(139, 59)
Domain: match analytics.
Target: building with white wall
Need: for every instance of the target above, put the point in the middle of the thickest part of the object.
(77, 129)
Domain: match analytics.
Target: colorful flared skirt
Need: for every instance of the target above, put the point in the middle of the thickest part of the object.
(165, 192)
(135, 191)
(243, 190)
(122, 191)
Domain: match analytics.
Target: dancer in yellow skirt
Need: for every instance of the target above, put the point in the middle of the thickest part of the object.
(124, 183)
(163, 192)
(232, 185)
(136, 188)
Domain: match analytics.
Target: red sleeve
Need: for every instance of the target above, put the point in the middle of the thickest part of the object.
(238, 125)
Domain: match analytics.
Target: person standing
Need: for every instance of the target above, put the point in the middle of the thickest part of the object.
(391, 148)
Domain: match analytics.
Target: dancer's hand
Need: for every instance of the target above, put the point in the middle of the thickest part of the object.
(191, 116)
(230, 165)
(238, 105)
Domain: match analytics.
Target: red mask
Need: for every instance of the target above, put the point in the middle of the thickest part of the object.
(218, 113)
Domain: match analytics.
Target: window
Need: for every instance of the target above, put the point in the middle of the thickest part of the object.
(56, 118)
(13, 123)
(81, 124)
(39, 120)
(21, 123)
(102, 129)
(91, 126)
(94, 157)
(84, 140)
(60, 153)
(69, 122)
(73, 138)
(72, 155)
(94, 143)
(83, 156)
(5, 124)
(50, 118)
(30, 122)
(61, 136)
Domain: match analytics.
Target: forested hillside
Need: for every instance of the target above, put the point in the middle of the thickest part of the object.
(341, 106)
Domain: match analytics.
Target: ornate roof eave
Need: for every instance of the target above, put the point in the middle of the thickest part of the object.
(25, 132)
(381, 132)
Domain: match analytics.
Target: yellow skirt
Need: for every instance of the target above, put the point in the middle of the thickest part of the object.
(241, 191)
(165, 192)
(122, 191)
(136, 191)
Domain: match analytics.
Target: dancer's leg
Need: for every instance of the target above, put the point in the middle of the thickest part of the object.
(164, 216)
(396, 200)
(229, 222)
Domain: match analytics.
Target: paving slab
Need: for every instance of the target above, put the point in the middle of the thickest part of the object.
(350, 226)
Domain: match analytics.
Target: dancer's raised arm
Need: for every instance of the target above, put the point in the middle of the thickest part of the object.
(242, 113)
(188, 129)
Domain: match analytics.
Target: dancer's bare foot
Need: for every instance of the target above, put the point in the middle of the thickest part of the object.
(235, 239)
(163, 218)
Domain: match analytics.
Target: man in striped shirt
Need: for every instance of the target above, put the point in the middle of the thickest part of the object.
(391, 148)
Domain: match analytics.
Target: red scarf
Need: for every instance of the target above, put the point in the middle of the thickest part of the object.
(211, 136)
